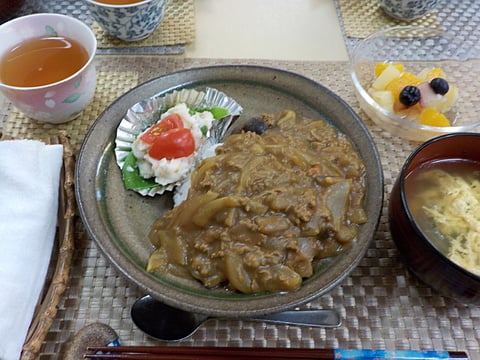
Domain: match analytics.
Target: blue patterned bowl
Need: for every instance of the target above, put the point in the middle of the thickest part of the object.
(408, 9)
(129, 22)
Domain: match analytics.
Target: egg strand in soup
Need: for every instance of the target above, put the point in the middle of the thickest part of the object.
(444, 199)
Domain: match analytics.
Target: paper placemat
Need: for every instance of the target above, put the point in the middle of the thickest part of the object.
(177, 28)
(364, 17)
(382, 305)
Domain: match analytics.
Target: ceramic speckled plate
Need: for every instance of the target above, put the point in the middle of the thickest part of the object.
(119, 220)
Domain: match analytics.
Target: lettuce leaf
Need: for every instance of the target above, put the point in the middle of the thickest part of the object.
(131, 175)
(217, 112)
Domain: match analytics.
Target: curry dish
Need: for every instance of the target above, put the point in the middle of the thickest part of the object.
(262, 211)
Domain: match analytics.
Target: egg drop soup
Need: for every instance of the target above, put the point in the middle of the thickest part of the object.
(444, 199)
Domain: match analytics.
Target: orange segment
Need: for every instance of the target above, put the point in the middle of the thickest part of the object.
(379, 67)
(432, 117)
(397, 85)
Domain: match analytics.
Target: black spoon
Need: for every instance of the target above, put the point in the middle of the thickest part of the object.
(164, 322)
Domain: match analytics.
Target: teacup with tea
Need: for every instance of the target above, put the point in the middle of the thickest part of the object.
(46, 66)
(128, 20)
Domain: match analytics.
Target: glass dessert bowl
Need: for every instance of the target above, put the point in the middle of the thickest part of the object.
(385, 63)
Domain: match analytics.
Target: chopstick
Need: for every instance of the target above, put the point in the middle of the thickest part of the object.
(252, 353)
(211, 353)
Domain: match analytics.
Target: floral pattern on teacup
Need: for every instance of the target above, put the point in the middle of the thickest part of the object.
(63, 103)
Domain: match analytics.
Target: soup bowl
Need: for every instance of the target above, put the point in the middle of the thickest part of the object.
(425, 250)
(62, 100)
(9, 9)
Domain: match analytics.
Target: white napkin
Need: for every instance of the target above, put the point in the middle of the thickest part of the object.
(29, 184)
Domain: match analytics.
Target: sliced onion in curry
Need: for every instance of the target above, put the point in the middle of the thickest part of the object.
(265, 208)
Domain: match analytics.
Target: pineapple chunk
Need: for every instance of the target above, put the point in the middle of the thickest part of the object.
(379, 67)
(390, 73)
(451, 97)
(430, 73)
(384, 98)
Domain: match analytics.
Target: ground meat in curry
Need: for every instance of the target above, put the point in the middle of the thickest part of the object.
(260, 212)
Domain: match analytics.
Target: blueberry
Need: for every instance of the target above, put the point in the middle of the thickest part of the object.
(410, 95)
(439, 85)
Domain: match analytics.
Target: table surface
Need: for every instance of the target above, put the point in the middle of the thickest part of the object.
(382, 305)
(268, 29)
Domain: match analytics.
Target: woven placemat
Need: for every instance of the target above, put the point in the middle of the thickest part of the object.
(364, 17)
(177, 28)
(381, 304)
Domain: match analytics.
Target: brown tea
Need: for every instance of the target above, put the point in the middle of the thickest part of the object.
(41, 61)
(119, 2)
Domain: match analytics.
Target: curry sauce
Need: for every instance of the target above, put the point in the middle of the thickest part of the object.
(260, 212)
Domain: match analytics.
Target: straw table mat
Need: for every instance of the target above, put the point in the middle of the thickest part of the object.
(176, 30)
(364, 17)
(381, 304)
(458, 18)
(177, 27)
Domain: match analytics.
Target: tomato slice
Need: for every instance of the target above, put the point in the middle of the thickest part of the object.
(169, 122)
(173, 144)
